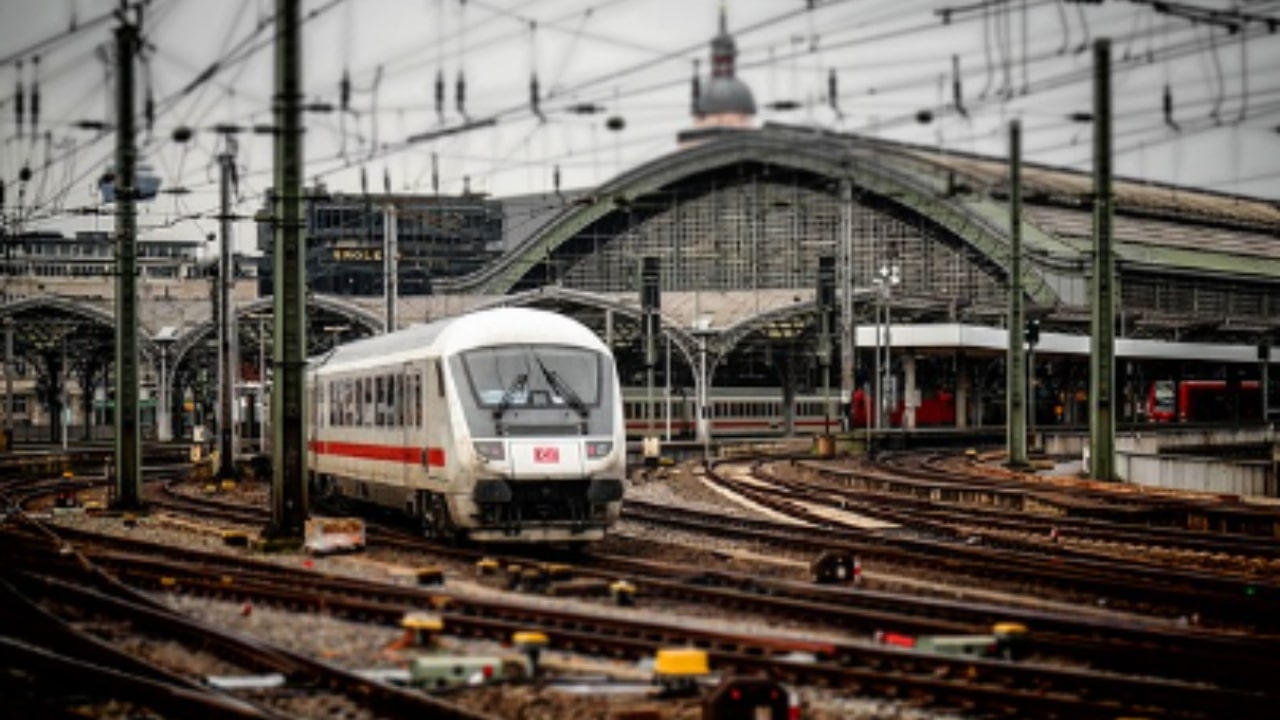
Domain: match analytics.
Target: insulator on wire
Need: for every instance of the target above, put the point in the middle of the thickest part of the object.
(344, 91)
(364, 182)
(555, 179)
(35, 96)
(386, 181)
(696, 86)
(1168, 109)
(149, 110)
(957, 91)
(440, 95)
(19, 103)
(435, 174)
(833, 92)
(533, 98)
(460, 94)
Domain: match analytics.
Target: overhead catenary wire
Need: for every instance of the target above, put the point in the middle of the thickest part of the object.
(630, 91)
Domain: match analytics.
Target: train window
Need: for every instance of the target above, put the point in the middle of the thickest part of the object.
(439, 380)
(418, 411)
(367, 417)
(397, 400)
(358, 413)
(384, 401)
(533, 375)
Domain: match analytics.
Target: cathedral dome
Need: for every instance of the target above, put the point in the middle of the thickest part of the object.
(725, 94)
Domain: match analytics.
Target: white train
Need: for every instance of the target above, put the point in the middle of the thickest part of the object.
(733, 412)
(502, 426)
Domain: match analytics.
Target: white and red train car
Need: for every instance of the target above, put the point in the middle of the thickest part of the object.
(501, 425)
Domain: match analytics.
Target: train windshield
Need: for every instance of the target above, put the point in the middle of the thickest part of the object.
(533, 376)
(1163, 392)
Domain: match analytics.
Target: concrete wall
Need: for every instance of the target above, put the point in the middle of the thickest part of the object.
(1139, 460)
(1199, 473)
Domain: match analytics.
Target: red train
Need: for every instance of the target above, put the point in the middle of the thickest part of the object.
(935, 410)
(1204, 401)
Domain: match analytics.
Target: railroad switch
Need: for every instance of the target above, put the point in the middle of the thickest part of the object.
(446, 671)
(210, 488)
(486, 566)
(533, 580)
(744, 697)
(678, 670)
(623, 593)
(558, 572)
(421, 629)
(235, 538)
(228, 485)
(584, 587)
(834, 566)
(531, 644)
(130, 520)
(66, 500)
(513, 576)
(1011, 639)
(430, 575)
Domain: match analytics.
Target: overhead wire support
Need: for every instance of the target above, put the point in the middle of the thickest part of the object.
(128, 443)
(288, 421)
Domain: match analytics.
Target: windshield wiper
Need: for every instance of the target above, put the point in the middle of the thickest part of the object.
(508, 395)
(561, 387)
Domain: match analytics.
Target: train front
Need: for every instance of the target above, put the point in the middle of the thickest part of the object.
(547, 441)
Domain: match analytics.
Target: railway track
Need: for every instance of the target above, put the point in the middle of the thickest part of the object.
(41, 568)
(1027, 690)
(1112, 646)
(1030, 690)
(1209, 596)
(881, 492)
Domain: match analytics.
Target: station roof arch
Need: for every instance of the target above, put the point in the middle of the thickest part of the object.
(866, 166)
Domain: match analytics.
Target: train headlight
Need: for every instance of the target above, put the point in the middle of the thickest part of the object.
(491, 450)
(597, 449)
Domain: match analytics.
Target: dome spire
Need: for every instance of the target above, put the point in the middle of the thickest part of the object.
(723, 50)
(722, 103)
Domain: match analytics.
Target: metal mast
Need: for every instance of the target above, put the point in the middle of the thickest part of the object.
(288, 422)
(128, 446)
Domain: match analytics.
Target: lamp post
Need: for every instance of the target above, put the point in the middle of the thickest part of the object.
(164, 423)
(886, 277)
(701, 330)
(63, 409)
(8, 383)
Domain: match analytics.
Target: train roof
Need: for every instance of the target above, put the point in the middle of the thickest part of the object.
(448, 336)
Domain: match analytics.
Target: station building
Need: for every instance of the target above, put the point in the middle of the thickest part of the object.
(436, 237)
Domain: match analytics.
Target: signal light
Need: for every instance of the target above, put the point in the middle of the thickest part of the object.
(1032, 332)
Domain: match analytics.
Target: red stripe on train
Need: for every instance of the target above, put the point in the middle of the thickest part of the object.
(406, 454)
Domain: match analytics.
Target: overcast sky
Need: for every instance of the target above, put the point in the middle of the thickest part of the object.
(1021, 58)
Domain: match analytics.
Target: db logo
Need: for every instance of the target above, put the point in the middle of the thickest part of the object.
(546, 455)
